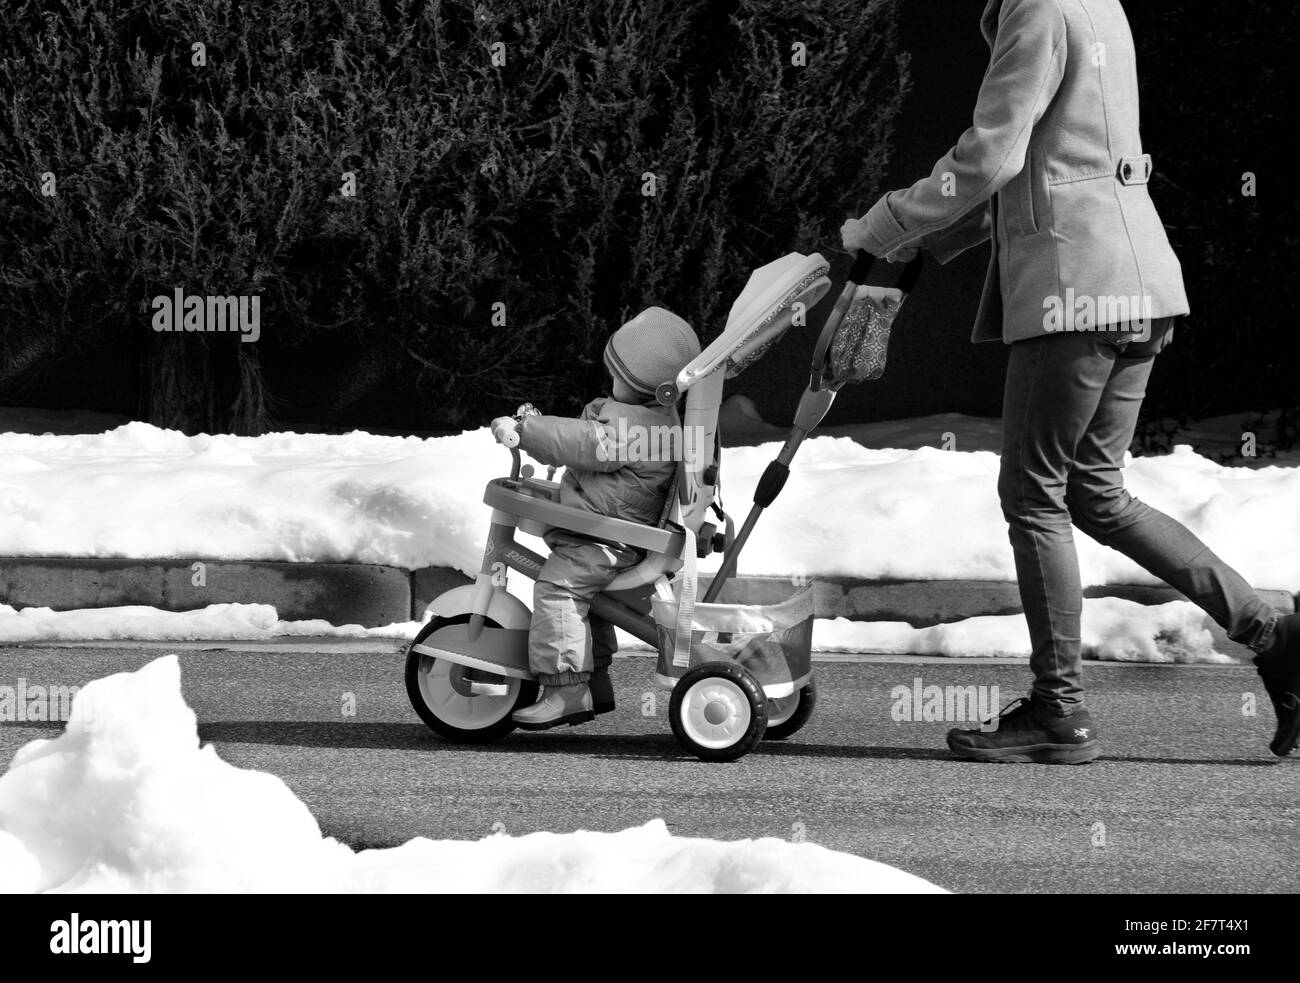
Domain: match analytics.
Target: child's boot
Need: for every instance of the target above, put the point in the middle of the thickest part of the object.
(559, 705)
(602, 690)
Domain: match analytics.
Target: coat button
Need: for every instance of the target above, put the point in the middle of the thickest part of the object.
(1128, 171)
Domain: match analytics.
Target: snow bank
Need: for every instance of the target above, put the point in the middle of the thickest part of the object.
(930, 514)
(138, 491)
(1114, 630)
(138, 622)
(848, 510)
(127, 800)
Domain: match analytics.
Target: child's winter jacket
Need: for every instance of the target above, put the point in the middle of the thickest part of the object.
(619, 458)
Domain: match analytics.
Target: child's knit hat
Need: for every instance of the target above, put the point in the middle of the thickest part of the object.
(651, 349)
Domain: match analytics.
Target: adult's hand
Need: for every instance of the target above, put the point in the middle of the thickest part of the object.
(854, 236)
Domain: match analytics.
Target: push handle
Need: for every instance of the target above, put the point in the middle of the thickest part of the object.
(865, 261)
(861, 266)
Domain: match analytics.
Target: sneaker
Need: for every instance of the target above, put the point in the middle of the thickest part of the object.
(1279, 668)
(1021, 732)
(559, 705)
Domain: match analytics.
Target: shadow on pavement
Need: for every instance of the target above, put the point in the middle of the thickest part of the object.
(1240, 762)
(336, 734)
(395, 736)
(316, 733)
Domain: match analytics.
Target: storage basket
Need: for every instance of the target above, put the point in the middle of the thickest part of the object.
(773, 642)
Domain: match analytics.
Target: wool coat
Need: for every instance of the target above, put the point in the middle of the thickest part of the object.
(1053, 171)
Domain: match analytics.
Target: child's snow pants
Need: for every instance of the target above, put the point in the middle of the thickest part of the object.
(565, 643)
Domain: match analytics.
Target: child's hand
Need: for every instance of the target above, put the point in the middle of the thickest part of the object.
(506, 431)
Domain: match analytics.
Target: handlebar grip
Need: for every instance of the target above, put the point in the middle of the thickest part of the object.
(506, 436)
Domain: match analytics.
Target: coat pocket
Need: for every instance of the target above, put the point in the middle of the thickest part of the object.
(1030, 203)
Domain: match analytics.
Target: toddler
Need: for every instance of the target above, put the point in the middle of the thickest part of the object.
(569, 649)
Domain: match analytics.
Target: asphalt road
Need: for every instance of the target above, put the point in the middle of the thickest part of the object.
(1186, 797)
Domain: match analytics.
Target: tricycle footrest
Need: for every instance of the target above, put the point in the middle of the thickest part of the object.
(503, 651)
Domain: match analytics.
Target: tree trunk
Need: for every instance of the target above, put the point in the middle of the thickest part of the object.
(195, 385)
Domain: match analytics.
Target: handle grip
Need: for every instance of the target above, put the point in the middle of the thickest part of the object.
(506, 436)
(771, 483)
(865, 261)
(861, 266)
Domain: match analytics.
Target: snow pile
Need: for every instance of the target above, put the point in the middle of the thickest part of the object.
(848, 510)
(139, 491)
(138, 622)
(1113, 630)
(646, 859)
(127, 800)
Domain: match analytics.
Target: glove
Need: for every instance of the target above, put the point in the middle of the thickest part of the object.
(506, 431)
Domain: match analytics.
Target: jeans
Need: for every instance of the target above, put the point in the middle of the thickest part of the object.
(1069, 412)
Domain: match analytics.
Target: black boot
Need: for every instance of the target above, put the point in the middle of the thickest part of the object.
(1023, 731)
(602, 690)
(1279, 668)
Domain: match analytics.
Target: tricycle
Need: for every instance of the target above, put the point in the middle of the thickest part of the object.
(739, 672)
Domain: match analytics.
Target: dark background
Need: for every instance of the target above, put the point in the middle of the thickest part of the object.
(1218, 99)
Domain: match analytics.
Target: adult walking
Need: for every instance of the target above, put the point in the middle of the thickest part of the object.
(1085, 288)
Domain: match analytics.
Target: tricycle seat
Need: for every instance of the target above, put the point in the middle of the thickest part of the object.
(530, 499)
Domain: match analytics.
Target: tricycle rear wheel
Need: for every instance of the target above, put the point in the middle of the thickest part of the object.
(718, 711)
(788, 714)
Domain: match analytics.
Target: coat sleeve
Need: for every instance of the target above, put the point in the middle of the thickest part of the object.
(589, 442)
(1027, 65)
(970, 230)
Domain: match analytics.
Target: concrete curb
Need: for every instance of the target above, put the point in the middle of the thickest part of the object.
(341, 593)
(372, 595)
(922, 603)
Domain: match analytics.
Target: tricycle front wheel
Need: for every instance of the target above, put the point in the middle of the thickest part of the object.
(441, 694)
